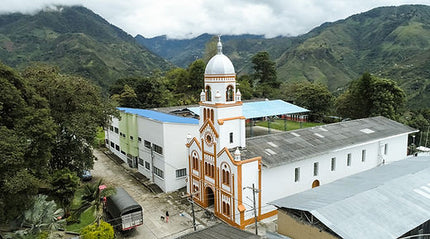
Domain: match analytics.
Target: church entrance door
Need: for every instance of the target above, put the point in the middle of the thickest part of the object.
(210, 197)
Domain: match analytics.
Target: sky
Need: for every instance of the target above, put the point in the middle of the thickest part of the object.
(181, 19)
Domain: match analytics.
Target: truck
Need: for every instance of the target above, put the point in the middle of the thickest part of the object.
(124, 211)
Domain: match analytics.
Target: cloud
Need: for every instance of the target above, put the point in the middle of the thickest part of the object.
(190, 18)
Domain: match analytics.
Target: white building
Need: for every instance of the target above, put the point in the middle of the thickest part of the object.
(154, 143)
(224, 166)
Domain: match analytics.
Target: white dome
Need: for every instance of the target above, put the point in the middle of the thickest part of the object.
(219, 64)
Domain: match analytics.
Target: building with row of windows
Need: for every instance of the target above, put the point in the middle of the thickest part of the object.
(226, 169)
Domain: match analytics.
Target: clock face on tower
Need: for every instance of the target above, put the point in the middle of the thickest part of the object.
(209, 138)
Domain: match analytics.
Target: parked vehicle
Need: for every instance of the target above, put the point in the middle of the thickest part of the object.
(86, 175)
(124, 211)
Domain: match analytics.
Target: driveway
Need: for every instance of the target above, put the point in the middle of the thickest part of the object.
(155, 205)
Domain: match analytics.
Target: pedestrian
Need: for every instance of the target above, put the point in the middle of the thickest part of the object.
(167, 216)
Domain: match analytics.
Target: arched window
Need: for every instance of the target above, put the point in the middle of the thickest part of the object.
(212, 115)
(195, 158)
(225, 175)
(229, 93)
(208, 93)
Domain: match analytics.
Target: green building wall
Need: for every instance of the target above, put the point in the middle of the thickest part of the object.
(128, 126)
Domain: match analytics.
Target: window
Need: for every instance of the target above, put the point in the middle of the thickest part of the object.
(226, 177)
(158, 149)
(122, 134)
(139, 139)
(195, 158)
(333, 164)
(231, 137)
(209, 170)
(229, 93)
(363, 155)
(208, 93)
(147, 165)
(316, 169)
(181, 172)
(131, 137)
(141, 161)
(111, 128)
(147, 144)
(226, 208)
(112, 144)
(348, 160)
(196, 190)
(296, 174)
(385, 149)
(107, 141)
(122, 152)
(158, 172)
(116, 130)
(117, 147)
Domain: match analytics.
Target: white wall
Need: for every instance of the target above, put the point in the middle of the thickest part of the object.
(280, 182)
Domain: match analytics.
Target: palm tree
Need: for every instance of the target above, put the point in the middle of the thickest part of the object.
(93, 195)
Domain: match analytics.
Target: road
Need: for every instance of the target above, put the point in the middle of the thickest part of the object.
(154, 205)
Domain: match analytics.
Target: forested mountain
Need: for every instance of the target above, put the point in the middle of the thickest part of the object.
(391, 42)
(76, 40)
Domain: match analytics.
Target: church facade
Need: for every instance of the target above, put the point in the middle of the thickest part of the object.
(226, 171)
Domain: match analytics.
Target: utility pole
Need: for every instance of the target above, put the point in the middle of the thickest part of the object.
(254, 191)
(192, 208)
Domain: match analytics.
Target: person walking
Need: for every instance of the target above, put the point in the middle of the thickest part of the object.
(167, 216)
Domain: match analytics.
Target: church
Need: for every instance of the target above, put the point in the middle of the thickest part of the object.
(229, 173)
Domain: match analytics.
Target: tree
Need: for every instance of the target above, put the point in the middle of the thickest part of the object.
(127, 97)
(92, 194)
(313, 96)
(77, 108)
(94, 231)
(27, 133)
(265, 78)
(64, 185)
(245, 87)
(371, 96)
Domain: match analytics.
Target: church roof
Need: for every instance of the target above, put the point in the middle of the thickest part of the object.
(280, 148)
(265, 108)
(219, 64)
(159, 116)
(383, 202)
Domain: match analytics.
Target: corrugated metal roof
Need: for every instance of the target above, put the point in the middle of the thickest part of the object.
(159, 116)
(220, 231)
(280, 148)
(258, 109)
(384, 202)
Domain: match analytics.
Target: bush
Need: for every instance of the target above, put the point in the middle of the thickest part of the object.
(104, 230)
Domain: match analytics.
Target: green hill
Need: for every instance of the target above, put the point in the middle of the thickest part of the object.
(78, 41)
(391, 42)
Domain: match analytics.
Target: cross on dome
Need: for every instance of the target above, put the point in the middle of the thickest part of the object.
(219, 45)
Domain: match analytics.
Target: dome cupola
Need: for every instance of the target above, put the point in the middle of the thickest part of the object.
(219, 64)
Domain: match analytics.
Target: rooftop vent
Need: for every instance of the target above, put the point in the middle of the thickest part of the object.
(323, 129)
(272, 144)
(318, 135)
(270, 152)
(295, 134)
(367, 131)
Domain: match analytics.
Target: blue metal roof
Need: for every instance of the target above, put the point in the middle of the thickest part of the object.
(264, 108)
(158, 116)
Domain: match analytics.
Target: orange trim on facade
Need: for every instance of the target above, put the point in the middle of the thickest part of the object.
(191, 142)
(221, 105)
(221, 121)
(259, 188)
(261, 217)
(208, 122)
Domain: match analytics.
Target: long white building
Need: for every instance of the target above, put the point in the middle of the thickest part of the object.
(225, 168)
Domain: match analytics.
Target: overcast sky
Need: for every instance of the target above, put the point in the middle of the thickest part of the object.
(190, 18)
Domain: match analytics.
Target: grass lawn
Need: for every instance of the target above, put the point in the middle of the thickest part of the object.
(86, 218)
(291, 125)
